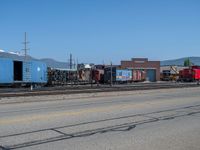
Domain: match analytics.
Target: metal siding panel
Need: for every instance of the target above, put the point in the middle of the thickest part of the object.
(107, 74)
(38, 72)
(119, 75)
(6, 71)
(27, 71)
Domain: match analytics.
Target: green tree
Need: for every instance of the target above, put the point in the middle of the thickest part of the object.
(187, 63)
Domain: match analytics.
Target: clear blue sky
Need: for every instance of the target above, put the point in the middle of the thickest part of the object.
(102, 30)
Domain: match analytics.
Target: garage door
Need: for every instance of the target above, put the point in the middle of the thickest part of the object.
(151, 75)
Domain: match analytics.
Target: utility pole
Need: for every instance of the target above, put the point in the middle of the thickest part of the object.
(91, 76)
(111, 77)
(25, 46)
(26, 64)
(77, 72)
(70, 61)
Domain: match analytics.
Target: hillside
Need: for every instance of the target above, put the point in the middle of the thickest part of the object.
(56, 64)
(50, 62)
(180, 61)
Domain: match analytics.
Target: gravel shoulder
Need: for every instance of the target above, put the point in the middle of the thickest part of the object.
(62, 97)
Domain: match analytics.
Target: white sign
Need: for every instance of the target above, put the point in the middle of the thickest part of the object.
(38, 69)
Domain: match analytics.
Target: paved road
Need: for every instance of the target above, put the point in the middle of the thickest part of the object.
(150, 120)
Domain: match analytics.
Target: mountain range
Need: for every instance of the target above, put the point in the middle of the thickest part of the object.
(180, 61)
(56, 64)
(50, 62)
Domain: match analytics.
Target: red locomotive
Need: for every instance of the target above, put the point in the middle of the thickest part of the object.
(190, 74)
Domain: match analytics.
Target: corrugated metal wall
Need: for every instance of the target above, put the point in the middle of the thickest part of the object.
(34, 72)
(6, 71)
(27, 71)
(38, 72)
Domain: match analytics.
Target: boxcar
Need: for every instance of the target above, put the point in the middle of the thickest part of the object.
(137, 75)
(22, 72)
(123, 75)
(118, 75)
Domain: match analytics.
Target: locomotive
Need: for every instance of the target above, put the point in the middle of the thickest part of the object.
(190, 74)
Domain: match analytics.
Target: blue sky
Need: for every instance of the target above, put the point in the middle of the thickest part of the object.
(102, 30)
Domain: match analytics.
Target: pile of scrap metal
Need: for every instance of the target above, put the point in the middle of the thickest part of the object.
(61, 76)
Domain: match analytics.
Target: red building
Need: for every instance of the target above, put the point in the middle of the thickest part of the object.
(151, 69)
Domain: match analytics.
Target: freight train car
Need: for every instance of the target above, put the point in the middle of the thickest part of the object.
(118, 75)
(138, 75)
(14, 72)
(123, 75)
(98, 75)
(59, 76)
(85, 76)
(191, 74)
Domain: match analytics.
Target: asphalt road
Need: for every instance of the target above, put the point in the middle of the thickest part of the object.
(151, 120)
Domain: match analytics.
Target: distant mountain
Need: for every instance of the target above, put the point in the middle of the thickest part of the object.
(63, 65)
(14, 56)
(180, 62)
(50, 62)
(55, 64)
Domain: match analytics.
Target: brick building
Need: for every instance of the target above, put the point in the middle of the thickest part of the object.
(151, 68)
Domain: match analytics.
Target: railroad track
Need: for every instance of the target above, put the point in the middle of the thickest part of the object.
(94, 89)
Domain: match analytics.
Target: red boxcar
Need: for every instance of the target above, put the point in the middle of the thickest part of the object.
(191, 74)
(138, 75)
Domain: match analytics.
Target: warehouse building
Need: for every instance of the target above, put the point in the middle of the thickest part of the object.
(150, 68)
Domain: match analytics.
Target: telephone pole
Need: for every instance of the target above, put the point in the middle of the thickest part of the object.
(111, 76)
(25, 46)
(70, 61)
